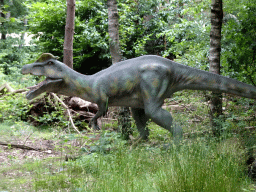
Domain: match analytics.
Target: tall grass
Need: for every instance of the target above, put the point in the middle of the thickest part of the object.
(196, 166)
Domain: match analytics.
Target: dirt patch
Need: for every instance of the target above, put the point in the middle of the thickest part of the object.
(10, 155)
(18, 151)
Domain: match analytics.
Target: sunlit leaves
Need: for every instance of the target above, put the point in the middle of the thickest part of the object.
(187, 32)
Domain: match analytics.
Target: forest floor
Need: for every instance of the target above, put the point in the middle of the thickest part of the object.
(23, 147)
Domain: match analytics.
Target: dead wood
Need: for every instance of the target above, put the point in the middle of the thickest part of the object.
(7, 87)
(7, 90)
(68, 110)
(20, 146)
(76, 109)
(77, 103)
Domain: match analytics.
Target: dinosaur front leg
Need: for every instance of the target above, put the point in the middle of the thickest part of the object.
(103, 108)
(141, 121)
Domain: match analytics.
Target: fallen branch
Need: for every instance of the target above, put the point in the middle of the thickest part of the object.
(68, 110)
(7, 87)
(252, 128)
(20, 146)
(10, 90)
(27, 138)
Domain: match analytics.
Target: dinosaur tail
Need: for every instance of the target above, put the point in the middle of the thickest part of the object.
(208, 81)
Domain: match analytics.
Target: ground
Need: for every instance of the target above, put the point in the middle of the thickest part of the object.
(60, 145)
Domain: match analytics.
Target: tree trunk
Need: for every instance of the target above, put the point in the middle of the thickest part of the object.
(113, 30)
(23, 34)
(214, 57)
(69, 34)
(3, 37)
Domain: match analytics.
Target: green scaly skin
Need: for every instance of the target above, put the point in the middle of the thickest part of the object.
(141, 83)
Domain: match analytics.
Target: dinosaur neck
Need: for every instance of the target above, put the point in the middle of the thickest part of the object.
(79, 85)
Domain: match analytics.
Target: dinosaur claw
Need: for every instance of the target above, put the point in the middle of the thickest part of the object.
(94, 126)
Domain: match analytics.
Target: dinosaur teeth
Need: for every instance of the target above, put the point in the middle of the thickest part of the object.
(42, 87)
(37, 85)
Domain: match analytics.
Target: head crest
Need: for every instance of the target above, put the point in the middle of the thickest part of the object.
(45, 57)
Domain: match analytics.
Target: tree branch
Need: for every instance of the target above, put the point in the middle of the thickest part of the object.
(20, 146)
(68, 110)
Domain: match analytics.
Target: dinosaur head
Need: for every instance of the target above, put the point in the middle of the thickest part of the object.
(47, 65)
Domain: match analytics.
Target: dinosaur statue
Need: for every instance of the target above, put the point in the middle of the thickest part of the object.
(141, 83)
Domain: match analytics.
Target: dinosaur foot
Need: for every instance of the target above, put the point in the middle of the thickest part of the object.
(95, 126)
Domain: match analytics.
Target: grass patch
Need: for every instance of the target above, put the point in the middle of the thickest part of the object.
(108, 163)
(196, 166)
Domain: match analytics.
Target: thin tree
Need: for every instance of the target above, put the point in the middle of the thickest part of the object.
(113, 30)
(69, 34)
(214, 57)
(2, 18)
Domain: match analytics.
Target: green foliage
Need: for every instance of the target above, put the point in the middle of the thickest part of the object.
(187, 33)
(54, 118)
(239, 47)
(47, 21)
(197, 166)
(137, 29)
(106, 142)
(12, 50)
(177, 30)
(13, 109)
(17, 12)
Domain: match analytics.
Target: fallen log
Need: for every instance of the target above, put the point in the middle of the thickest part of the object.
(77, 103)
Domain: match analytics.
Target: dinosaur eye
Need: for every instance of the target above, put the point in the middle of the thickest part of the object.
(50, 63)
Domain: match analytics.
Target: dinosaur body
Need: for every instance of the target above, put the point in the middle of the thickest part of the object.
(141, 83)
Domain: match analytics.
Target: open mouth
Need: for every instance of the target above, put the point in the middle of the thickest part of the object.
(48, 85)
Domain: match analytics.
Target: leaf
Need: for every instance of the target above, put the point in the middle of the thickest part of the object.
(12, 19)
(6, 6)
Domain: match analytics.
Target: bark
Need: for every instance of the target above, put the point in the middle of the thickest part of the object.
(69, 34)
(214, 57)
(113, 30)
(3, 37)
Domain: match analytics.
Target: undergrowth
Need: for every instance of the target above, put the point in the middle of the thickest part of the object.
(111, 164)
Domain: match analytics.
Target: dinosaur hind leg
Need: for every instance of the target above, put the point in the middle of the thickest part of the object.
(164, 119)
(154, 86)
(141, 120)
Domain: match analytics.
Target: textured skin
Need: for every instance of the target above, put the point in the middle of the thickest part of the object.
(141, 83)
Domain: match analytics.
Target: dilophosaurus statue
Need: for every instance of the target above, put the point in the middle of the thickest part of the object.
(141, 83)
